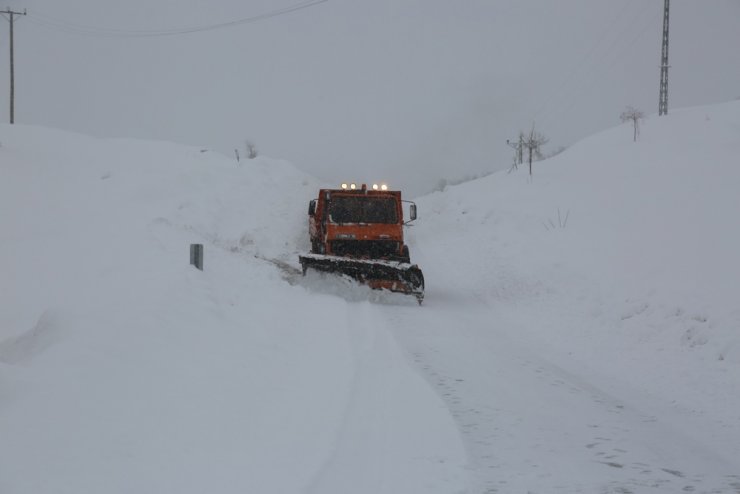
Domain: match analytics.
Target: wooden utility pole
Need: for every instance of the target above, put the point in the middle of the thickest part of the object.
(518, 149)
(11, 18)
(533, 143)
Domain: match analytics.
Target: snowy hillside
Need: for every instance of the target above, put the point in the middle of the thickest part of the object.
(580, 330)
(643, 235)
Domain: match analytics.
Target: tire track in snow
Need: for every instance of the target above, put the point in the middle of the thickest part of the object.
(334, 474)
(530, 425)
(395, 435)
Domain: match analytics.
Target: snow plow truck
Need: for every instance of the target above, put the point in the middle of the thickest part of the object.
(358, 232)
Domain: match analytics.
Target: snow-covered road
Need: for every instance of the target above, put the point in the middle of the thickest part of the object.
(531, 423)
(391, 416)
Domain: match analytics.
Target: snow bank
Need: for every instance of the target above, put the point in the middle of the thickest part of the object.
(124, 369)
(611, 273)
(622, 255)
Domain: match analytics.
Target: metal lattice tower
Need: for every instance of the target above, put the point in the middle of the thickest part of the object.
(663, 103)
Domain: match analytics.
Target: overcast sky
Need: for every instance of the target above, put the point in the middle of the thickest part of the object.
(403, 91)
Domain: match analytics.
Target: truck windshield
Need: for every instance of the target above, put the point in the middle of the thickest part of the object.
(362, 210)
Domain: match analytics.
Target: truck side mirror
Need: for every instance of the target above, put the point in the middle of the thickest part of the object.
(412, 212)
(312, 207)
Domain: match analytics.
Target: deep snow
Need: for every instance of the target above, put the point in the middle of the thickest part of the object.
(597, 354)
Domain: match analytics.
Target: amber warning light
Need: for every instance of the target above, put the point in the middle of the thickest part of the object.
(349, 186)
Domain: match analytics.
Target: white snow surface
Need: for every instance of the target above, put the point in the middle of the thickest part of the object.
(580, 330)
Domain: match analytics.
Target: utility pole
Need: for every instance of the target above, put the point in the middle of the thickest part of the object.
(663, 103)
(11, 18)
(533, 143)
(518, 149)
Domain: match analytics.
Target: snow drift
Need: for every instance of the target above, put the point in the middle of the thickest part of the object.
(122, 368)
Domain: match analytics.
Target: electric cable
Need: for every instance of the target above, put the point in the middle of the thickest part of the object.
(572, 101)
(586, 58)
(571, 96)
(43, 20)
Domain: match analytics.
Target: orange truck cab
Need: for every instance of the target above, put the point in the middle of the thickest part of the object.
(360, 223)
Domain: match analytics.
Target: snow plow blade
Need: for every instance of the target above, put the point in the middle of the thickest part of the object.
(379, 274)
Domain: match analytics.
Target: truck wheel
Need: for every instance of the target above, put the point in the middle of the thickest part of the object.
(405, 256)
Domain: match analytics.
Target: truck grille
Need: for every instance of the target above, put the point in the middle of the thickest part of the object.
(373, 249)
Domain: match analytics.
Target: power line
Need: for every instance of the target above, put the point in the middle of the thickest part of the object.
(608, 59)
(587, 58)
(86, 30)
(610, 67)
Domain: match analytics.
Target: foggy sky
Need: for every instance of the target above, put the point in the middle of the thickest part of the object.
(402, 91)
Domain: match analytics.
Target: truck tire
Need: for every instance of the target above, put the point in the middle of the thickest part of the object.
(405, 256)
